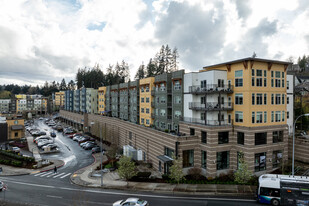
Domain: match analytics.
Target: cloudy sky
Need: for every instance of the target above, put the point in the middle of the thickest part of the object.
(46, 40)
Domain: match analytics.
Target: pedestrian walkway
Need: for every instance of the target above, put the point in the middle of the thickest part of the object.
(52, 174)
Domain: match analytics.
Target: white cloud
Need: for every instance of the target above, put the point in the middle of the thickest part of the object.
(45, 40)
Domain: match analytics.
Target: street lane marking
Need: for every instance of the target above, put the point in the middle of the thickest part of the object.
(59, 175)
(39, 173)
(35, 172)
(54, 196)
(51, 175)
(130, 194)
(65, 175)
(46, 174)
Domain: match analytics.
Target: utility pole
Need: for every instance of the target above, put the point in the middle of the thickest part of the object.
(101, 154)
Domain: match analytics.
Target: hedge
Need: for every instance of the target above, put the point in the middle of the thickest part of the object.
(11, 154)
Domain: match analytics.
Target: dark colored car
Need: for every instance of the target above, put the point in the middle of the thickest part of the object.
(53, 134)
(97, 149)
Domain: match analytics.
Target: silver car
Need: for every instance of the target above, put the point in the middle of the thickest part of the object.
(131, 201)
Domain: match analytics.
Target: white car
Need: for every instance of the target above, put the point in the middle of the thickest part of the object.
(42, 143)
(131, 201)
(16, 149)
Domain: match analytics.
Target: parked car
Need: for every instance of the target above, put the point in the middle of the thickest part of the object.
(42, 133)
(43, 143)
(41, 118)
(97, 149)
(76, 138)
(89, 145)
(51, 146)
(52, 134)
(36, 140)
(131, 201)
(16, 149)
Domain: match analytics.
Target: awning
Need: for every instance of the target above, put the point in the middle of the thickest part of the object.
(17, 127)
(164, 158)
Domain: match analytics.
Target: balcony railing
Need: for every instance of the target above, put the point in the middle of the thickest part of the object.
(206, 122)
(211, 88)
(211, 106)
(169, 104)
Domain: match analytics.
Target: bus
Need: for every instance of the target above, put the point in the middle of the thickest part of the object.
(283, 190)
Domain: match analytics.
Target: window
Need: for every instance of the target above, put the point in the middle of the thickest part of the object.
(288, 115)
(272, 116)
(272, 73)
(147, 121)
(270, 192)
(147, 99)
(260, 161)
(277, 74)
(265, 73)
(259, 117)
(272, 82)
(278, 116)
(277, 136)
(223, 160)
(204, 159)
(147, 110)
(287, 84)
(142, 89)
(163, 100)
(253, 99)
(265, 82)
(272, 98)
(238, 116)
(162, 112)
(204, 137)
(259, 80)
(265, 99)
(282, 74)
(162, 125)
(288, 100)
(283, 116)
(220, 83)
(253, 117)
(16, 134)
(203, 84)
(260, 138)
(188, 158)
(143, 110)
(282, 82)
(278, 96)
(162, 87)
(265, 117)
(259, 73)
(277, 82)
(178, 99)
(240, 138)
(259, 99)
(142, 120)
(223, 137)
(168, 152)
(283, 96)
(252, 72)
(252, 81)
(192, 131)
(177, 85)
(177, 114)
(143, 100)
(203, 116)
(238, 98)
(238, 78)
(147, 89)
(277, 158)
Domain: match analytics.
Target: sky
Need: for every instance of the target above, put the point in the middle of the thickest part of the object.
(47, 40)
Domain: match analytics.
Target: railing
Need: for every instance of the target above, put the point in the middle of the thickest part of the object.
(211, 106)
(206, 122)
(211, 88)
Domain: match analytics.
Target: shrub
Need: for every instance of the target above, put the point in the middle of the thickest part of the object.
(108, 166)
(165, 177)
(16, 163)
(195, 173)
(143, 174)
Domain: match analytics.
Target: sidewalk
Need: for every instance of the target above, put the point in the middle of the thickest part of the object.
(111, 180)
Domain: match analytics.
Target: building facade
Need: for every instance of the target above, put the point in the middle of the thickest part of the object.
(290, 102)
(134, 102)
(101, 100)
(146, 92)
(124, 101)
(5, 105)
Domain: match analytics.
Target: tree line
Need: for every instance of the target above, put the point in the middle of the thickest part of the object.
(166, 60)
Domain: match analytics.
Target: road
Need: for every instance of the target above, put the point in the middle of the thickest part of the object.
(56, 189)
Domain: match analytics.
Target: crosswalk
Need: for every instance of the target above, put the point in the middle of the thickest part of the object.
(51, 174)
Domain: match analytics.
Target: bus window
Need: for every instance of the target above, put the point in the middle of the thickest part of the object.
(273, 192)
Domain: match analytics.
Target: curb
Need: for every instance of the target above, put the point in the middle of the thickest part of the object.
(52, 168)
(75, 173)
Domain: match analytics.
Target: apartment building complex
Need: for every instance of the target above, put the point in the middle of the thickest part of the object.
(59, 100)
(5, 105)
(221, 113)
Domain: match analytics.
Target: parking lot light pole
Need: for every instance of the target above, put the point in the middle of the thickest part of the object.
(307, 114)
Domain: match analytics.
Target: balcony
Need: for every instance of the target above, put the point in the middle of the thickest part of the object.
(169, 104)
(153, 92)
(211, 88)
(207, 122)
(210, 106)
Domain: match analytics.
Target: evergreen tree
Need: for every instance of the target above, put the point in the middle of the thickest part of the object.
(63, 85)
(151, 69)
(140, 74)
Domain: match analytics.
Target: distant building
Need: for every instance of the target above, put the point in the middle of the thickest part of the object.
(3, 130)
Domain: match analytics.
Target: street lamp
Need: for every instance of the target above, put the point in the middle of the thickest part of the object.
(294, 140)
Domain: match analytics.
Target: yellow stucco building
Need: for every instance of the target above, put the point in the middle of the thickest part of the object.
(16, 128)
(146, 98)
(59, 99)
(101, 100)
